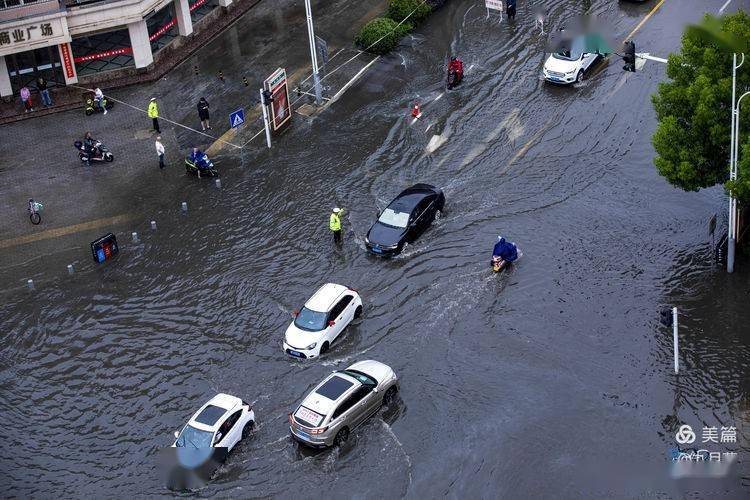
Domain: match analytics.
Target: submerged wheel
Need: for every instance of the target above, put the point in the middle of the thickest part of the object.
(35, 218)
(341, 437)
(358, 312)
(389, 395)
(247, 429)
(89, 111)
(324, 347)
(109, 157)
(579, 77)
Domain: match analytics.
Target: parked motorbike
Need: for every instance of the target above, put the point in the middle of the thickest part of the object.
(207, 170)
(93, 107)
(100, 153)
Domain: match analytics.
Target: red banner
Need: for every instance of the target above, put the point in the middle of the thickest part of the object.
(67, 64)
(128, 50)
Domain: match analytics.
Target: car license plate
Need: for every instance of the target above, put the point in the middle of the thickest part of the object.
(296, 354)
(303, 435)
(377, 250)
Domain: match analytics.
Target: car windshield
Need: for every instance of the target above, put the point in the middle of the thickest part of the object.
(312, 321)
(572, 51)
(362, 377)
(392, 218)
(192, 437)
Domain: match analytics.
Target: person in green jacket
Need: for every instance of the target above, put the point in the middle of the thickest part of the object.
(334, 224)
(153, 113)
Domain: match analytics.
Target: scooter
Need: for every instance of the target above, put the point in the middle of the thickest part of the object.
(101, 153)
(208, 171)
(454, 78)
(93, 107)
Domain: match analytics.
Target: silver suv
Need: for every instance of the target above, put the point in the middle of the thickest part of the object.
(341, 402)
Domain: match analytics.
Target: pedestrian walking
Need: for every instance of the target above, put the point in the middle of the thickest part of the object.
(203, 113)
(334, 224)
(41, 86)
(511, 9)
(160, 151)
(153, 113)
(26, 99)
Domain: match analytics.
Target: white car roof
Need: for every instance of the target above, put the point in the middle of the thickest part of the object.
(324, 298)
(222, 401)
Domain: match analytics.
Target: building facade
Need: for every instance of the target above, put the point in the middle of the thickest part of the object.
(63, 39)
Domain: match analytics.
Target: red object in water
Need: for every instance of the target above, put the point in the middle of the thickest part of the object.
(415, 112)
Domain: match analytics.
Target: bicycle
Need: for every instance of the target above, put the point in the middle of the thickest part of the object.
(34, 208)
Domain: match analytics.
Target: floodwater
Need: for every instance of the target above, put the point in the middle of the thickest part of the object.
(551, 380)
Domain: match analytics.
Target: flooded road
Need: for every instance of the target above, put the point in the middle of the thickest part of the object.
(553, 379)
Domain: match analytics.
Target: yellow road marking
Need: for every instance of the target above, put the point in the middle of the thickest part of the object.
(643, 21)
(63, 231)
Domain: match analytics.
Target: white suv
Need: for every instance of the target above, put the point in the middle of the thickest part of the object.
(220, 423)
(321, 321)
(567, 66)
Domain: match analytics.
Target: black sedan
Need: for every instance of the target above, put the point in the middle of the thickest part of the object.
(404, 219)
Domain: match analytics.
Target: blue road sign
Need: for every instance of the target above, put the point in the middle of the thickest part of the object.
(237, 118)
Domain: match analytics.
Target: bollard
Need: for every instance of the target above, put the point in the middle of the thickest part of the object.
(218, 183)
(70, 269)
(135, 237)
(30, 284)
(153, 225)
(184, 206)
(244, 80)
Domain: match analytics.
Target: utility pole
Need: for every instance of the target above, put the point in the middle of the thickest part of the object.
(264, 104)
(313, 55)
(734, 140)
(675, 341)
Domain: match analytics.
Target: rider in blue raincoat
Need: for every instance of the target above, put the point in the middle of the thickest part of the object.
(505, 250)
(199, 158)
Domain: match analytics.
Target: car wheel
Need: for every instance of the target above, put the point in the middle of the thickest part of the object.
(579, 77)
(341, 437)
(358, 312)
(389, 396)
(247, 429)
(324, 347)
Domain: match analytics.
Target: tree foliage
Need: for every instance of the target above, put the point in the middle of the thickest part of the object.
(399, 9)
(694, 109)
(383, 32)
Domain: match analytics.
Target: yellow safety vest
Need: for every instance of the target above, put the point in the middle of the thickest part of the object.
(335, 223)
(153, 111)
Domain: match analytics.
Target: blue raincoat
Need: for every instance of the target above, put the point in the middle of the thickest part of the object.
(506, 250)
(200, 159)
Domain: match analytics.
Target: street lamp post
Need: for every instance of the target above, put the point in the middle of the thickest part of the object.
(313, 55)
(733, 150)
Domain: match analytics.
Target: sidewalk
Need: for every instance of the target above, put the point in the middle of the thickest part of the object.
(65, 98)
(40, 161)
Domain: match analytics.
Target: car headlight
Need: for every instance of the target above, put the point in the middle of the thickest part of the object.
(311, 346)
(367, 240)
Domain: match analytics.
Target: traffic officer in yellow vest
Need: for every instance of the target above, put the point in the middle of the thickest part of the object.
(153, 113)
(334, 224)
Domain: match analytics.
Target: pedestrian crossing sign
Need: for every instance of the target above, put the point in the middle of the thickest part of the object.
(237, 118)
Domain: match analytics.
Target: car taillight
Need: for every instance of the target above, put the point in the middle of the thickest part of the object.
(319, 430)
(353, 290)
(291, 419)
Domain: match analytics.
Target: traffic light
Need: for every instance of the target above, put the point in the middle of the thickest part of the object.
(629, 56)
(267, 97)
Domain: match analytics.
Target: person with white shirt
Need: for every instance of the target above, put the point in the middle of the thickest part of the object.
(160, 151)
(99, 98)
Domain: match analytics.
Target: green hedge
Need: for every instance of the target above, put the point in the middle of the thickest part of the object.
(385, 28)
(399, 9)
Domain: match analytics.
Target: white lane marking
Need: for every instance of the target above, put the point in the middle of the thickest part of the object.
(726, 4)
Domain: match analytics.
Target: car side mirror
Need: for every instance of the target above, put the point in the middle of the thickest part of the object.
(176, 434)
(379, 213)
(331, 323)
(295, 313)
(375, 390)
